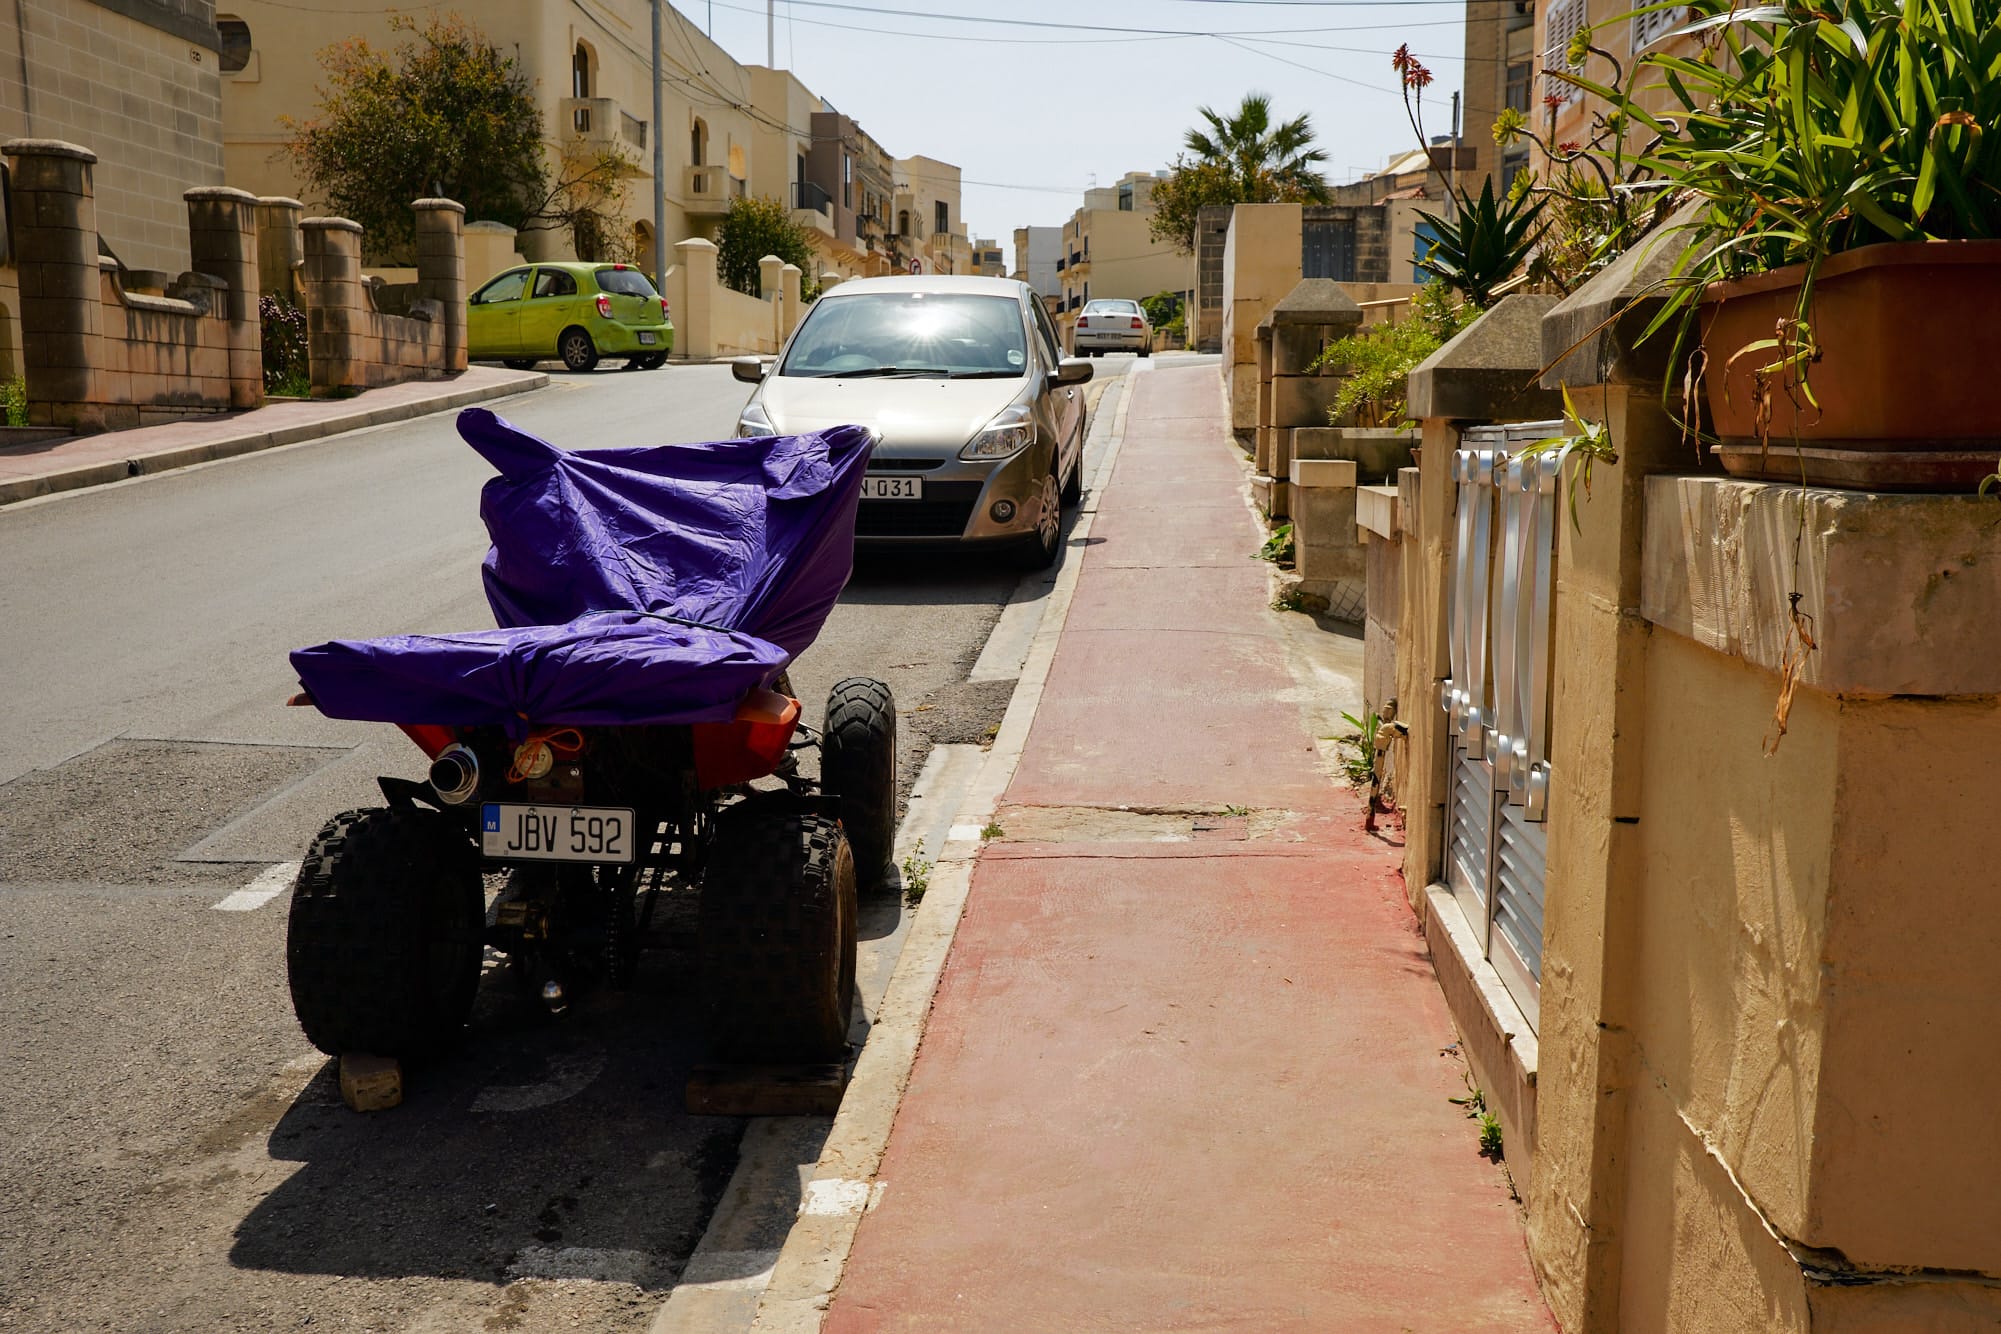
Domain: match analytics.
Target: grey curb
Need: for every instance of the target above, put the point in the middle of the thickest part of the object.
(207, 451)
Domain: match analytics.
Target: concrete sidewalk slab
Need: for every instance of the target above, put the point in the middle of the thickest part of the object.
(27, 471)
(1190, 1084)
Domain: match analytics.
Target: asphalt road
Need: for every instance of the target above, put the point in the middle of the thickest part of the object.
(176, 1157)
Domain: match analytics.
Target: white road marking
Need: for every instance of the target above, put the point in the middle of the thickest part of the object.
(273, 881)
(570, 1073)
(586, 1263)
(831, 1197)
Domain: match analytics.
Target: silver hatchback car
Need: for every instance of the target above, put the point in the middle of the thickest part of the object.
(981, 417)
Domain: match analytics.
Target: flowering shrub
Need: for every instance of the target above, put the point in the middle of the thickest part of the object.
(285, 368)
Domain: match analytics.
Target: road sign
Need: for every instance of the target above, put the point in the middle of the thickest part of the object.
(915, 268)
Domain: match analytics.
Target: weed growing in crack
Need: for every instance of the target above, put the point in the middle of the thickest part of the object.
(916, 873)
(990, 831)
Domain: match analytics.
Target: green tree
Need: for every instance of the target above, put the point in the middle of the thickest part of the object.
(1240, 158)
(445, 113)
(754, 227)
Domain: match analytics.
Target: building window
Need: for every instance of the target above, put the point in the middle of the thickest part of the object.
(942, 221)
(1517, 95)
(801, 177)
(698, 142)
(1126, 197)
(1563, 21)
(903, 222)
(847, 182)
(1648, 28)
(580, 72)
(235, 43)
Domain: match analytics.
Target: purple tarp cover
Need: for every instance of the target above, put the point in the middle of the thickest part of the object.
(632, 586)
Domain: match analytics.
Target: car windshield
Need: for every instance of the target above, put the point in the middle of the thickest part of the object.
(626, 282)
(955, 335)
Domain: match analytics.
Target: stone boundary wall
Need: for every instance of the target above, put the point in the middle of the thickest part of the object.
(98, 356)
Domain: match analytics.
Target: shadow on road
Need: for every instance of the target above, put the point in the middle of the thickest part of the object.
(553, 1148)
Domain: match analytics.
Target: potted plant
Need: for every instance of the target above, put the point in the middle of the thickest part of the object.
(1846, 169)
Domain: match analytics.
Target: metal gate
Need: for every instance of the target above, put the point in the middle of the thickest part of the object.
(1497, 700)
(1327, 249)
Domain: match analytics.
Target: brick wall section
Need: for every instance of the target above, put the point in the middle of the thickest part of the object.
(350, 344)
(99, 358)
(1212, 233)
(222, 241)
(143, 88)
(441, 275)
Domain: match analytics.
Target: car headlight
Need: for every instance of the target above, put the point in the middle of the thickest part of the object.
(1003, 438)
(754, 421)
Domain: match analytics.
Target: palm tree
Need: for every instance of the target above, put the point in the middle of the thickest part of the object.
(1268, 164)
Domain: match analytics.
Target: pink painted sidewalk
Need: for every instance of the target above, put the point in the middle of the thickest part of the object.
(92, 460)
(1190, 1085)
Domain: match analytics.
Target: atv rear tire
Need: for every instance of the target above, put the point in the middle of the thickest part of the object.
(858, 770)
(384, 944)
(778, 934)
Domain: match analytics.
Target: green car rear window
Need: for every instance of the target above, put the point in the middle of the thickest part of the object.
(554, 282)
(625, 282)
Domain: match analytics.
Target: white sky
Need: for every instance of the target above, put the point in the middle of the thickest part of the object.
(1054, 109)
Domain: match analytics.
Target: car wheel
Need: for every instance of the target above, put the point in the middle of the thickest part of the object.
(1040, 548)
(1146, 352)
(577, 350)
(519, 363)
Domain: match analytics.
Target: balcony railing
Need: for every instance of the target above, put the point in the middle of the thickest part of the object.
(807, 195)
(595, 119)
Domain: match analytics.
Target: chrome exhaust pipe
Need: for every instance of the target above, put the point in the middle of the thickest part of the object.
(455, 775)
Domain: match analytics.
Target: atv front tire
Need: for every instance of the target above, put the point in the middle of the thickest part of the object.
(384, 943)
(858, 770)
(778, 934)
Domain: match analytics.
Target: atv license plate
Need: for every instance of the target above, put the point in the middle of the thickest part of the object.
(556, 833)
(892, 488)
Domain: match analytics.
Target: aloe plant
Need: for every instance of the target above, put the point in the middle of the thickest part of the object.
(1484, 243)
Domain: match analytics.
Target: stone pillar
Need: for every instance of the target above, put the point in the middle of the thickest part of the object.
(222, 242)
(54, 212)
(335, 305)
(441, 273)
(788, 300)
(281, 248)
(489, 249)
(1293, 396)
(829, 281)
(1577, 1195)
(694, 317)
(769, 270)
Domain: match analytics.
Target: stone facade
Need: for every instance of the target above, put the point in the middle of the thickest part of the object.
(351, 343)
(138, 82)
(1205, 317)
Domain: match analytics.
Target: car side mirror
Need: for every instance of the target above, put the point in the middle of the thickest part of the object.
(1072, 370)
(751, 370)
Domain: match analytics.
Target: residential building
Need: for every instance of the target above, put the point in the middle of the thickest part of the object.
(137, 82)
(1500, 73)
(1108, 248)
(1035, 253)
(988, 259)
(930, 230)
(587, 62)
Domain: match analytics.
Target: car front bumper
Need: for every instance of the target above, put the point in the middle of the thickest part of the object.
(959, 499)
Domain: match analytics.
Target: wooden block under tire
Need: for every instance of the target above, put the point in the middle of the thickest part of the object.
(370, 1083)
(766, 1090)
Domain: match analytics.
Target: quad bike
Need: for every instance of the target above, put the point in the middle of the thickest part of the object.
(600, 749)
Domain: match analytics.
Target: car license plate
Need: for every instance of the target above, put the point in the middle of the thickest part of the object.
(556, 833)
(892, 488)
(646, 337)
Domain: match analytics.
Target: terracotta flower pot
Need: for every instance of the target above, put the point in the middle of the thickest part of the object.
(1907, 341)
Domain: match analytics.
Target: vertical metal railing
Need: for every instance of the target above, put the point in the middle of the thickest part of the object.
(1497, 699)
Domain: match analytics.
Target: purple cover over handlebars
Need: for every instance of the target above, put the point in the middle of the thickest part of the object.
(632, 586)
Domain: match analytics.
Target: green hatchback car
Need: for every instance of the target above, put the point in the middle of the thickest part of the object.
(574, 312)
